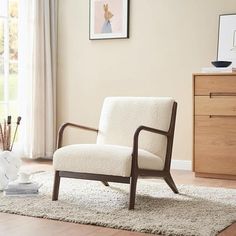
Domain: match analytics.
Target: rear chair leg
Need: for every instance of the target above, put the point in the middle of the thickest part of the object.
(105, 183)
(56, 186)
(133, 185)
(171, 183)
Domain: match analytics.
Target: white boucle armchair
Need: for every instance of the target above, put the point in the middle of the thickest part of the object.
(121, 153)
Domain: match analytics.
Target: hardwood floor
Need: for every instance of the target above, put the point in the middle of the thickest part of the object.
(15, 225)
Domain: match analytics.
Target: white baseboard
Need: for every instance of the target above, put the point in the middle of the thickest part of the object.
(181, 165)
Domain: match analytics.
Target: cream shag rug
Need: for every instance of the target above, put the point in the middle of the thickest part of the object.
(197, 211)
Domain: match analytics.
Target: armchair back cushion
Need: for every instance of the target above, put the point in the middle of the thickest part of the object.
(121, 116)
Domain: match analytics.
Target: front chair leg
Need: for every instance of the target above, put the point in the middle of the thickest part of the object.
(133, 184)
(171, 183)
(56, 186)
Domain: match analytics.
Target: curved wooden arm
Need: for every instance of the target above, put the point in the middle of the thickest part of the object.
(136, 138)
(62, 128)
(170, 137)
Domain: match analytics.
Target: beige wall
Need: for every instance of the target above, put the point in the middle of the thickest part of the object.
(169, 40)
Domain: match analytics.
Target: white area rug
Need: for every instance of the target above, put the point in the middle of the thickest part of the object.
(197, 211)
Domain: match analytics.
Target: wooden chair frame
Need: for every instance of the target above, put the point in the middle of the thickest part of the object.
(135, 170)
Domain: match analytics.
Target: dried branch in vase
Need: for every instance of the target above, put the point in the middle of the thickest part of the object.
(5, 133)
(2, 138)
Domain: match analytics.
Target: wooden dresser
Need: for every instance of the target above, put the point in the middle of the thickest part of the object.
(214, 145)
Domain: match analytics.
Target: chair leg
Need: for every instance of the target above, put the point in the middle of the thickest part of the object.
(171, 183)
(133, 185)
(105, 183)
(56, 186)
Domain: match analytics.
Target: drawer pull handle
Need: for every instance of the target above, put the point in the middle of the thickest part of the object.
(222, 116)
(221, 94)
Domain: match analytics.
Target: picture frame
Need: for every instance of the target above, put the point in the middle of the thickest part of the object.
(108, 19)
(226, 50)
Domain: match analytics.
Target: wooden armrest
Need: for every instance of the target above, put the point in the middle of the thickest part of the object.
(136, 138)
(170, 137)
(62, 128)
(149, 129)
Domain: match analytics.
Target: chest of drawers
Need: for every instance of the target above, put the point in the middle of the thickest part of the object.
(214, 145)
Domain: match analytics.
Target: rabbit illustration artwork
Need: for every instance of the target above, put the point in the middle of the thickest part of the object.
(106, 28)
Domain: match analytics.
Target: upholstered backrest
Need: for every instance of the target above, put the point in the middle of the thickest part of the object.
(121, 116)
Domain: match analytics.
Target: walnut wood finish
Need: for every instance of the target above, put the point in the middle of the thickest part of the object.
(62, 128)
(135, 171)
(88, 176)
(56, 186)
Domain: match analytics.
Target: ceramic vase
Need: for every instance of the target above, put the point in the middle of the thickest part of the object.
(9, 167)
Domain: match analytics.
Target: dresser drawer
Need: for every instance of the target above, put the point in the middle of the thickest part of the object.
(215, 145)
(215, 105)
(215, 84)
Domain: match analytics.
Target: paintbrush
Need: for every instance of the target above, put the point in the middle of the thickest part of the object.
(8, 132)
(14, 137)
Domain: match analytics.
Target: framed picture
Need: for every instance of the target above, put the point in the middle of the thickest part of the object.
(227, 38)
(109, 19)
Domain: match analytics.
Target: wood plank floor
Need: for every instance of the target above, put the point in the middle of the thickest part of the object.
(15, 225)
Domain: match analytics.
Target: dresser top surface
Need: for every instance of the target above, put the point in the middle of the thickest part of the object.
(214, 74)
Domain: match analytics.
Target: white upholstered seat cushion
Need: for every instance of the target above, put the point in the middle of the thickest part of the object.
(102, 159)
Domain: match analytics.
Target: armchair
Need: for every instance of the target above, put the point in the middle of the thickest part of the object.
(135, 138)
